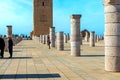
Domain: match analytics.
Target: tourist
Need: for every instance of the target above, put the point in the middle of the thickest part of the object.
(48, 41)
(10, 47)
(2, 46)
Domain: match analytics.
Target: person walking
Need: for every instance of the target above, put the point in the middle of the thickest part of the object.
(10, 47)
(48, 41)
(2, 47)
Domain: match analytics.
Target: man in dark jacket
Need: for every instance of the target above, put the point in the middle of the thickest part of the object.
(2, 46)
(10, 47)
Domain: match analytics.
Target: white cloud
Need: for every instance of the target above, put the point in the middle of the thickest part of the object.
(27, 2)
(15, 12)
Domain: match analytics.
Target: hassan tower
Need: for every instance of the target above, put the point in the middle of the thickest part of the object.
(43, 17)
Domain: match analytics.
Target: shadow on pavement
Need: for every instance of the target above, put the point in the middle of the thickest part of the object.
(17, 58)
(17, 51)
(92, 55)
(19, 76)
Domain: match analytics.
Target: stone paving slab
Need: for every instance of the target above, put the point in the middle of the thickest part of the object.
(34, 61)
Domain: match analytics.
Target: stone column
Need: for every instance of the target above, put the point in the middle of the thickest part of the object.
(9, 31)
(101, 37)
(41, 38)
(68, 37)
(65, 38)
(14, 40)
(6, 43)
(92, 40)
(52, 36)
(86, 37)
(97, 38)
(112, 35)
(80, 38)
(60, 41)
(75, 35)
(44, 39)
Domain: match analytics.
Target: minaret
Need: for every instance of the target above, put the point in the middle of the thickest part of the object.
(43, 16)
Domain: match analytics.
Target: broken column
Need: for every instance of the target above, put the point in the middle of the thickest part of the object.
(44, 39)
(75, 35)
(40, 38)
(112, 35)
(65, 38)
(9, 34)
(86, 36)
(6, 43)
(80, 38)
(60, 41)
(97, 38)
(68, 37)
(52, 36)
(9, 31)
(92, 39)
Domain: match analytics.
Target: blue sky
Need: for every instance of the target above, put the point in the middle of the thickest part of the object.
(18, 13)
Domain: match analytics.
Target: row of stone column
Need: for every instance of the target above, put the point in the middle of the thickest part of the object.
(93, 38)
(112, 35)
(57, 40)
(96, 37)
(60, 38)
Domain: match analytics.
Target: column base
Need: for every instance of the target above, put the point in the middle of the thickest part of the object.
(75, 53)
(112, 63)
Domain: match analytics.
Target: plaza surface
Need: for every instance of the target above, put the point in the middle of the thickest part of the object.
(34, 61)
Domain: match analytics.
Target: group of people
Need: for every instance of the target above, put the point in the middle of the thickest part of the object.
(2, 47)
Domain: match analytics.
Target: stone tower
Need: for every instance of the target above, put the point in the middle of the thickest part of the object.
(43, 17)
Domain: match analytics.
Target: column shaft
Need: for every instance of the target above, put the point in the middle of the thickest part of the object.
(75, 35)
(112, 35)
(60, 41)
(9, 31)
(52, 36)
(92, 39)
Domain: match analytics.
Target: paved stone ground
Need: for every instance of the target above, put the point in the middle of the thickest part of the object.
(34, 61)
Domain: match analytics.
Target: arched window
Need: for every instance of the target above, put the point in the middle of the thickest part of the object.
(43, 18)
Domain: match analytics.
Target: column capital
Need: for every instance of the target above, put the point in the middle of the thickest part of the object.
(52, 27)
(76, 16)
(92, 32)
(9, 26)
(111, 2)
